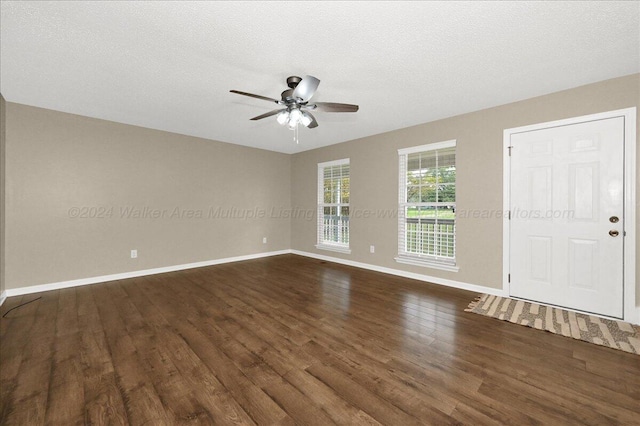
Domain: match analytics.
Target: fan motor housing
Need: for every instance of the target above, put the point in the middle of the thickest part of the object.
(287, 95)
(293, 81)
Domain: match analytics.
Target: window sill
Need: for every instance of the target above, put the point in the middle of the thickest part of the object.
(428, 264)
(338, 249)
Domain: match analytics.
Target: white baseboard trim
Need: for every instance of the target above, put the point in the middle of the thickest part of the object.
(113, 277)
(105, 278)
(420, 277)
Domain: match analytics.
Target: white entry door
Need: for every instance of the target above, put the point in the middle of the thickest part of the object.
(567, 224)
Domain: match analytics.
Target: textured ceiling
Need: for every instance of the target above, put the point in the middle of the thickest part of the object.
(170, 65)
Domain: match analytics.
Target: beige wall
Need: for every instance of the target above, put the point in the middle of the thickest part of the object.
(479, 135)
(3, 105)
(57, 162)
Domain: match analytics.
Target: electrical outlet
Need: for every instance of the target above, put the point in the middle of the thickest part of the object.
(264, 240)
(134, 254)
(372, 249)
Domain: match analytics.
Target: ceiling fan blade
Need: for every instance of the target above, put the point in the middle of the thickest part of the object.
(314, 122)
(268, 114)
(251, 95)
(306, 88)
(334, 107)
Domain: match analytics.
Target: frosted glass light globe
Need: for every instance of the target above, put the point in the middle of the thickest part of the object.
(282, 117)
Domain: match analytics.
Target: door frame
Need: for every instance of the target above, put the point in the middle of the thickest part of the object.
(631, 313)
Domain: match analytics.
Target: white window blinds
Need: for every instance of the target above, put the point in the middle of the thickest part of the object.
(333, 205)
(427, 204)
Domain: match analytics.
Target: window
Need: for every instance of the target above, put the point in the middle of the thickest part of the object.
(427, 206)
(333, 206)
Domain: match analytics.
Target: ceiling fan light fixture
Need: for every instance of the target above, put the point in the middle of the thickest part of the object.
(305, 120)
(295, 115)
(282, 117)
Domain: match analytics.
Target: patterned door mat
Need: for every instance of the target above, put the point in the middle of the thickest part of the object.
(601, 331)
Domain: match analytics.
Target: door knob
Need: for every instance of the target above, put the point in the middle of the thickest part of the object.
(614, 219)
(613, 233)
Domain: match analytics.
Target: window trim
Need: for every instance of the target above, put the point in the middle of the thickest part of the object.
(430, 261)
(320, 244)
(428, 147)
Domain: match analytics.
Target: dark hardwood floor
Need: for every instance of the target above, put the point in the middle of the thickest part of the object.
(291, 340)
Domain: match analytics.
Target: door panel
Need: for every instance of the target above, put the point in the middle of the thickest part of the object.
(583, 261)
(540, 259)
(584, 181)
(566, 182)
(540, 189)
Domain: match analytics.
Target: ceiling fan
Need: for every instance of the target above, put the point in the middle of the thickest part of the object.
(295, 106)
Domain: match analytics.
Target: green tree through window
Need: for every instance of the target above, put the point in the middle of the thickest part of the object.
(428, 182)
